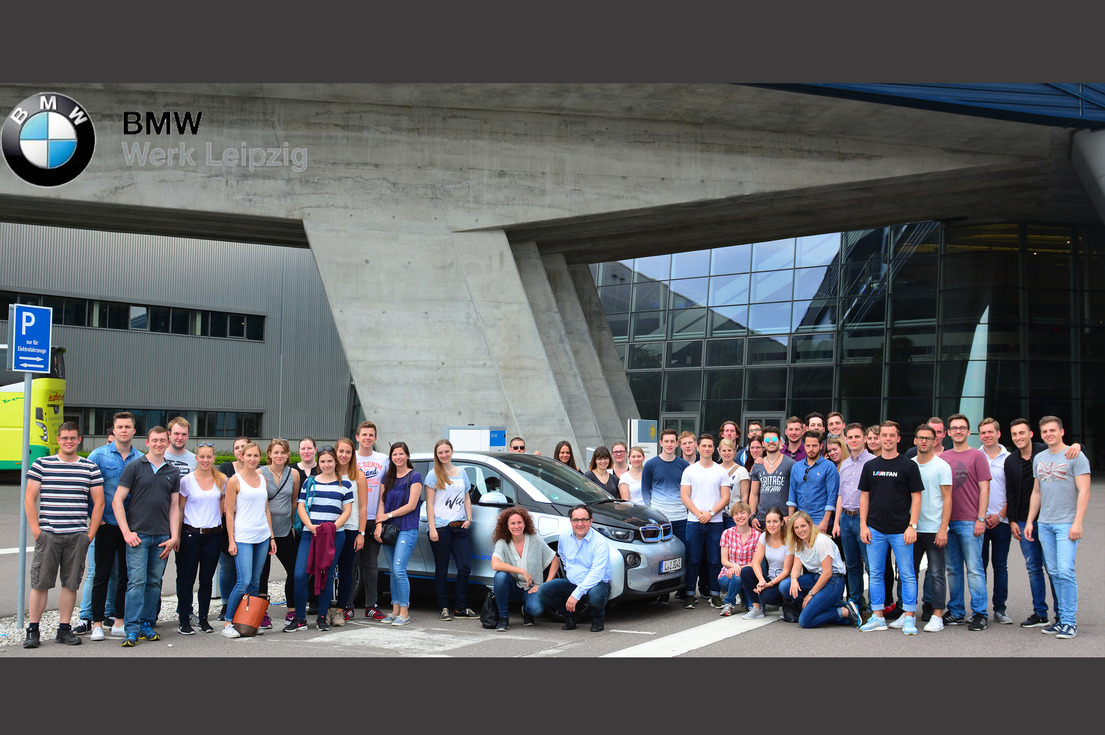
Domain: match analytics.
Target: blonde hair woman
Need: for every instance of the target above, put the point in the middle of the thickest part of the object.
(817, 576)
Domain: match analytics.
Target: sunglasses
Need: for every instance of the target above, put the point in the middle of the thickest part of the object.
(519, 448)
(327, 449)
(770, 441)
(206, 444)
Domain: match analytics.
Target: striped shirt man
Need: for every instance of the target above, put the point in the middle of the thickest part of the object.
(65, 497)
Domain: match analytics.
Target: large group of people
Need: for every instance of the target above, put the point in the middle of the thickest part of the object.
(788, 520)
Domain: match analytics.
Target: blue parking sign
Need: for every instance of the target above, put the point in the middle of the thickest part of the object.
(29, 335)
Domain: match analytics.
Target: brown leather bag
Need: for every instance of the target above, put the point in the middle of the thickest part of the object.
(251, 611)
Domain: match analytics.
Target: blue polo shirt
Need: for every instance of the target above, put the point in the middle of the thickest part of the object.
(813, 488)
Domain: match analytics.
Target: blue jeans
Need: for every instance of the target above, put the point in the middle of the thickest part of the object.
(995, 548)
(508, 591)
(228, 575)
(345, 570)
(555, 594)
(301, 575)
(964, 548)
(769, 596)
(451, 542)
(249, 562)
(903, 554)
(733, 586)
(198, 554)
(855, 558)
(398, 555)
(703, 542)
(824, 607)
(1059, 553)
(1034, 563)
(144, 570)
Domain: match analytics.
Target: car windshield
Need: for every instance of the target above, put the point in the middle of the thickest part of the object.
(560, 484)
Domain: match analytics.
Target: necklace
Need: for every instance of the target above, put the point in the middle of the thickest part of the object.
(769, 466)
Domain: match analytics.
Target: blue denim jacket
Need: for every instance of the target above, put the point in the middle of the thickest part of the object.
(111, 464)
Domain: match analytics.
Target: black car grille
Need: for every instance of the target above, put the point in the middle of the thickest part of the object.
(655, 533)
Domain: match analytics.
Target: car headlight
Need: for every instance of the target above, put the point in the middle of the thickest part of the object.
(614, 534)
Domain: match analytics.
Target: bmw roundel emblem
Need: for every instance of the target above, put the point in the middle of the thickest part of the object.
(48, 139)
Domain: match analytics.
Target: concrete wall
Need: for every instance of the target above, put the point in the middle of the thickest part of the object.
(414, 194)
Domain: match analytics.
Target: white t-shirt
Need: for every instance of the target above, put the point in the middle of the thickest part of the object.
(354, 515)
(934, 473)
(706, 484)
(776, 558)
(373, 466)
(449, 500)
(635, 495)
(822, 546)
(201, 507)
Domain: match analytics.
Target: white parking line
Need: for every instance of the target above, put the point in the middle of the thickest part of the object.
(15, 550)
(679, 643)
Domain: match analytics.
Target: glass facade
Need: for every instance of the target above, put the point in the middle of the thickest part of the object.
(900, 322)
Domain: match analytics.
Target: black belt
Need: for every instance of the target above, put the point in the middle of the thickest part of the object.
(847, 512)
(193, 529)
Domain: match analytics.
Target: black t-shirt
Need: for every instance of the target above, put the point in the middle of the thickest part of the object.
(890, 484)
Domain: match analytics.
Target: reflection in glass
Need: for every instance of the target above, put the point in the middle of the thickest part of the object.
(649, 325)
(646, 356)
(769, 318)
(814, 316)
(685, 354)
(689, 292)
(768, 256)
(728, 320)
(722, 384)
(767, 350)
(649, 296)
(655, 268)
(615, 299)
(765, 383)
(689, 265)
(726, 290)
(817, 249)
(733, 259)
(812, 283)
(811, 382)
(813, 348)
(688, 323)
(724, 352)
(772, 286)
(683, 385)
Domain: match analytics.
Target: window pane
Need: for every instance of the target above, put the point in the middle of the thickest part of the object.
(159, 319)
(683, 385)
(769, 318)
(722, 384)
(814, 316)
(764, 383)
(615, 299)
(733, 259)
(650, 325)
(811, 382)
(772, 255)
(772, 286)
(180, 321)
(218, 324)
(725, 290)
(689, 265)
(75, 312)
(817, 249)
(646, 356)
(237, 327)
(862, 345)
(767, 351)
(114, 316)
(619, 325)
(655, 268)
(688, 323)
(728, 320)
(913, 308)
(910, 380)
(860, 380)
(649, 296)
(812, 283)
(645, 386)
(255, 327)
(815, 348)
(689, 292)
(864, 309)
(685, 354)
(913, 344)
(724, 352)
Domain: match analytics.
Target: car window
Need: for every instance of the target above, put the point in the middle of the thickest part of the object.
(559, 483)
(483, 480)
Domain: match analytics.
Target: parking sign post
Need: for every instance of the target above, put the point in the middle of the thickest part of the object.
(30, 330)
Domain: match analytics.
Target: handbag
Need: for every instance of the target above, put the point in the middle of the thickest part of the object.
(389, 533)
(249, 615)
(297, 522)
(489, 613)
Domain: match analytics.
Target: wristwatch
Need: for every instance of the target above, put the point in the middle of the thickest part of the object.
(980, 519)
(913, 526)
(360, 533)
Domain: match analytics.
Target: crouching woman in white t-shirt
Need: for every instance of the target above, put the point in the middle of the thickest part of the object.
(817, 577)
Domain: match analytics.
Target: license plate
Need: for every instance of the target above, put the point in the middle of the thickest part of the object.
(671, 565)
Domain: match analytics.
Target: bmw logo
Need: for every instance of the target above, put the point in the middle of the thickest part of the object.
(48, 139)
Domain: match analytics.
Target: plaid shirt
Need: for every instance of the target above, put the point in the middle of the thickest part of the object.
(740, 553)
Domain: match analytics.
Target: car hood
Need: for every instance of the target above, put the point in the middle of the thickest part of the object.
(621, 514)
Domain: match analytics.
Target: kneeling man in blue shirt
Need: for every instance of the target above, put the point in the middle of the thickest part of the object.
(586, 560)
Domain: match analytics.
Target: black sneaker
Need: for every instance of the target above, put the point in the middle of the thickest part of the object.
(950, 619)
(32, 639)
(206, 626)
(1034, 621)
(185, 628)
(527, 619)
(83, 627)
(67, 637)
(926, 612)
(321, 623)
(688, 602)
(978, 622)
(296, 625)
(464, 614)
(503, 626)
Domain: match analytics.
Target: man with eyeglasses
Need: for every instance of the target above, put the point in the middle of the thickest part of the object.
(932, 525)
(970, 497)
(770, 479)
(755, 431)
(585, 556)
(938, 447)
(815, 490)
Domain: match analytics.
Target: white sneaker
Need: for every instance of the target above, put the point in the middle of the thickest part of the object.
(97, 634)
(754, 613)
(118, 631)
(229, 632)
(934, 625)
(898, 622)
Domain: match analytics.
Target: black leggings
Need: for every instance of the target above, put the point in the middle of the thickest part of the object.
(286, 549)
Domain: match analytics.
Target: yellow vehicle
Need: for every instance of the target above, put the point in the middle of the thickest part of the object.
(47, 413)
